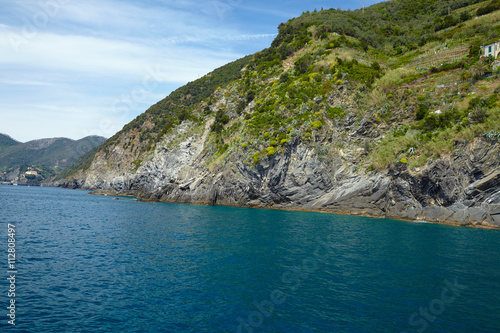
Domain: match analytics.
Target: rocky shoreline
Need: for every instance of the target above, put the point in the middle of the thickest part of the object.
(471, 224)
(461, 189)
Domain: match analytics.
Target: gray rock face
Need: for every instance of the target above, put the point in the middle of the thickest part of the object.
(464, 188)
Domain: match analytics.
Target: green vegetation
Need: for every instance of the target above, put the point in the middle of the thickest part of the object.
(392, 27)
(436, 135)
(491, 7)
(411, 71)
(6, 142)
(47, 152)
(83, 162)
(28, 175)
(221, 119)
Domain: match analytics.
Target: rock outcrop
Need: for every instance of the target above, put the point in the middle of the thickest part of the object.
(463, 188)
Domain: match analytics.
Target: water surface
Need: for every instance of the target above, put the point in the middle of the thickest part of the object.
(93, 264)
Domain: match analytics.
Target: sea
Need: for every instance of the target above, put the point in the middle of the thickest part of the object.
(74, 262)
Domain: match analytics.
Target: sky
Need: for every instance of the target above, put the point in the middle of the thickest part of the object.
(73, 68)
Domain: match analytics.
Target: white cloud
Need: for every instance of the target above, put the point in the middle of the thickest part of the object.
(281, 12)
(209, 38)
(26, 83)
(91, 67)
(100, 57)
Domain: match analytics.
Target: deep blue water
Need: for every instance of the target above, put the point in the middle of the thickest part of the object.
(93, 264)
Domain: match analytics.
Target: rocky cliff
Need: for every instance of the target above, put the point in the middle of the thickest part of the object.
(463, 188)
(325, 121)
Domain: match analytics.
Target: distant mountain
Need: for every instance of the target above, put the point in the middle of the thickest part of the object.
(52, 153)
(6, 142)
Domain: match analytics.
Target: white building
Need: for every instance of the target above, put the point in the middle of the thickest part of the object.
(492, 49)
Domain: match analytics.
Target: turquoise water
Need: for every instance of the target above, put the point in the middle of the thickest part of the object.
(93, 264)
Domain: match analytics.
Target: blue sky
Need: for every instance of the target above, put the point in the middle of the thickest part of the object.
(75, 68)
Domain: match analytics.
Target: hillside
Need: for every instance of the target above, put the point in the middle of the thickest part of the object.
(6, 142)
(45, 156)
(388, 111)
